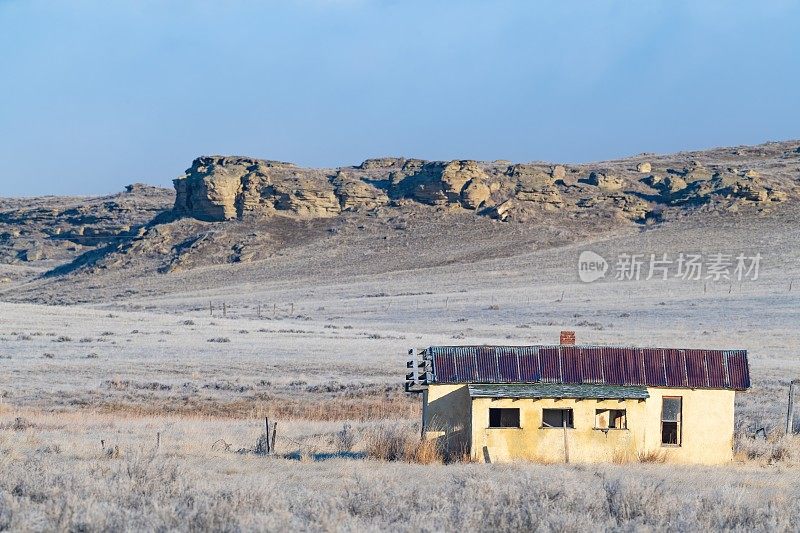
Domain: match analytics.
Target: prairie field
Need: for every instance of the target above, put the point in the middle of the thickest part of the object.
(147, 412)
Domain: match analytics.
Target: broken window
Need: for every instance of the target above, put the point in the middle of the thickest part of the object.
(503, 418)
(671, 420)
(557, 418)
(610, 419)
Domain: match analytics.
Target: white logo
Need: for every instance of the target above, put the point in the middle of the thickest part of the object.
(591, 266)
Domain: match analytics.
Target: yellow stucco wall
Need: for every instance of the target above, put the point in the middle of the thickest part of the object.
(447, 416)
(706, 428)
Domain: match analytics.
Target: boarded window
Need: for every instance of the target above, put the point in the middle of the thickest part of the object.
(671, 411)
(610, 419)
(557, 418)
(503, 418)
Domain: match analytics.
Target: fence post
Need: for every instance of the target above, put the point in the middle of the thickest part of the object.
(790, 414)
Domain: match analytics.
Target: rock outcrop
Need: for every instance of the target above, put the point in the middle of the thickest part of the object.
(219, 188)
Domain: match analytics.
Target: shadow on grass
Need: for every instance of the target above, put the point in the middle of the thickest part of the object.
(297, 456)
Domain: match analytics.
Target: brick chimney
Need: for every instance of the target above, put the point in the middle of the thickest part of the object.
(568, 338)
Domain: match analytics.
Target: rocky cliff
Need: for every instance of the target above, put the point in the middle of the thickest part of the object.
(217, 188)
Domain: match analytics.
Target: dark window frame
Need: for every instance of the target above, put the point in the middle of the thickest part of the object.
(674, 427)
(570, 419)
(504, 418)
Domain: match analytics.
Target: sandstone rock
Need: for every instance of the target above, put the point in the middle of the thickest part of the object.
(777, 196)
(504, 210)
(418, 181)
(221, 188)
(606, 181)
(749, 190)
(644, 168)
(475, 194)
(623, 205)
(673, 184)
(558, 172)
(548, 196)
(356, 194)
(750, 173)
(536, 185)
(382, 162)
(456, 175)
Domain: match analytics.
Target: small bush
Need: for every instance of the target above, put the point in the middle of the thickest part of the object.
(651, 456)
(219, 339)
(393, 443)
(344, 439)
(776, 448)
(21, 424)
(62, 338)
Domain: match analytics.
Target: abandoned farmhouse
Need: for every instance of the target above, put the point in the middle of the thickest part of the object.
(567, 403)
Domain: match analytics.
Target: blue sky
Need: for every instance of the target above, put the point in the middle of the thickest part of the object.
(98, 94)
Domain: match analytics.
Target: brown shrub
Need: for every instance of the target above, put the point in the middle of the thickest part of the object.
(395, 443)
(651, 456)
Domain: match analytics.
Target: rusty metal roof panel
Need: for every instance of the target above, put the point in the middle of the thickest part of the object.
(613, 366)
(675, 367)
(529, 368)
(551, 364)
(654, 373)
(738, 370)
(571, 364)
(716, 369)
(602, 365)
(508, 365)
(486, 364)
(592, 364)
(634, 367)
(696, 376)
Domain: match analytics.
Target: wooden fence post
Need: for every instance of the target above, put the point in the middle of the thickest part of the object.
(790, 414)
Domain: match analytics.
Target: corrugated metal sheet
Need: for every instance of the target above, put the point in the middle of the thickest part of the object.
(738, 371)
(557, 390)
(602, 365)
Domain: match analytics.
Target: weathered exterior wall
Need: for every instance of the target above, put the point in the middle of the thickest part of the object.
(706, 428)
(533, 442)
(447, 415)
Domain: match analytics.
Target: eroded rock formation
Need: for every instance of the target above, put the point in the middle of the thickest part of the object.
(219, 188)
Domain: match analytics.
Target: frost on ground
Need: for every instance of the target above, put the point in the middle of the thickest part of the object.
(143, 412)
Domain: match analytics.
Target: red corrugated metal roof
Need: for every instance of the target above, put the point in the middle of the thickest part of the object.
(610, 365)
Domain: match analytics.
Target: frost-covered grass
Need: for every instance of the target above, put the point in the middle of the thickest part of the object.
(87, 391)
(54, 474)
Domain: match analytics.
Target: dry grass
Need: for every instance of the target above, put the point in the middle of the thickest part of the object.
(55, 476)
(397, 443)
(775, 448)
(339, 408)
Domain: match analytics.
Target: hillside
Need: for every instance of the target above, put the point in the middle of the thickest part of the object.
(384, 215)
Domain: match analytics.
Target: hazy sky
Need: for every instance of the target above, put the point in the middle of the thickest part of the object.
(98, 94)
